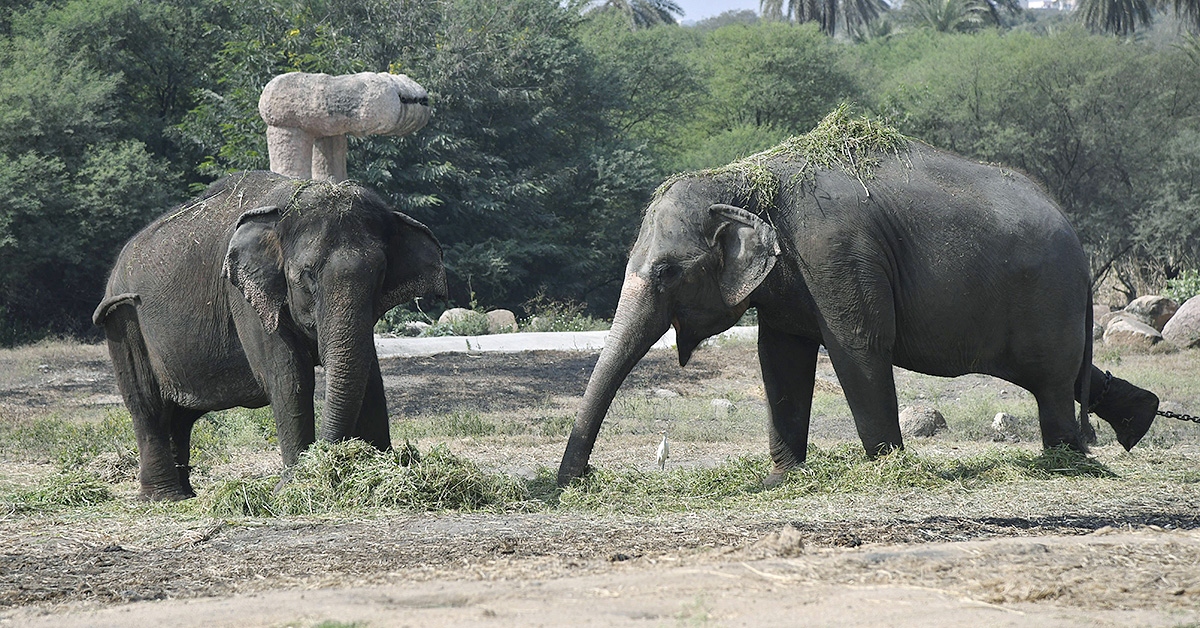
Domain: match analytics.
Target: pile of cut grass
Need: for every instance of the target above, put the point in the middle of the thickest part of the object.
(71, 489)
(354, 476)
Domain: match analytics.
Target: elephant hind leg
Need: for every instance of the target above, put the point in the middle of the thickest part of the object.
(142, 393)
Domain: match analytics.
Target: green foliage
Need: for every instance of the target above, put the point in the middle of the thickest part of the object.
(353, 475)
(549, 315)
(1183, 287)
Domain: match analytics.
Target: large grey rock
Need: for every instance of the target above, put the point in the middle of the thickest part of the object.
(308, 117)
(1154, 310)
(921, 421)
(1183, 330)
(1128, 333)
(501, 322)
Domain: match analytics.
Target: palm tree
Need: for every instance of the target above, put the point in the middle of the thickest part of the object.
(826, 13)
(946, 16)
(641, 13)
(1122, 17)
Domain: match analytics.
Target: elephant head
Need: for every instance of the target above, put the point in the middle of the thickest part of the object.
(693, 267)
(323, 266)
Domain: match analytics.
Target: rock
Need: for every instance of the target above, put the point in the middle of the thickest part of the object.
(414, 328)
(663, 393)
(454, 315)
(1004, 427)
(921, 421)
(1183, 330)
(1153, 310)
(722, 406)
(501, 322)
(1097, 332)
(1098, 312)
(1128, 333)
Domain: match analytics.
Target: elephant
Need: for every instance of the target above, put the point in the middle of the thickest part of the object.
(233, 298)
(928, 261)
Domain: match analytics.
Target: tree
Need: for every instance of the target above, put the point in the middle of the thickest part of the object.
(826, 13)
(1120, 17)
(640, 13)
(524, 171)
(945, 16)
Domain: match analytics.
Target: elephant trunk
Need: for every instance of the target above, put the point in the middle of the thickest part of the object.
(639, 322)
(345, 342)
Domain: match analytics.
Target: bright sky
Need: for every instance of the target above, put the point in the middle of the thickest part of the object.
(695, 10)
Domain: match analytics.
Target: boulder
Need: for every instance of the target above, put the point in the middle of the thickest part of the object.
(1098, 312)
(1004, 427)
(921, 421)
(454, 315)
(1127, 333)
(414, 328)
(1183, 330)
(663, 393)
(1154, 310)
(501, 322)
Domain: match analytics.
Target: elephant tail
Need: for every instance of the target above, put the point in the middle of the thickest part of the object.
(1084, 381)
(131, 360)
(109, 303)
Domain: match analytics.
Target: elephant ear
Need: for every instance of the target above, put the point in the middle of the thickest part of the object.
(748, 247)
(254, 264)
(412, 248)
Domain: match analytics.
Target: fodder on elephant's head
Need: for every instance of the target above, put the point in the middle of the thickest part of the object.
(840, 141)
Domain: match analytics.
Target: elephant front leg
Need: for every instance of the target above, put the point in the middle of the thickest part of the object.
(372, 423)
(789, 365)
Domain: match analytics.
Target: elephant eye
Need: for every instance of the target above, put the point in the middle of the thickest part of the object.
(668, 273)
(308, 281)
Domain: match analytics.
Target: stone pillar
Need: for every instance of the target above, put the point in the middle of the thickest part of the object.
(308, 117)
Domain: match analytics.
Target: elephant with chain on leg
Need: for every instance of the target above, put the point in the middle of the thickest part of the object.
(930, 262)
(233, 299)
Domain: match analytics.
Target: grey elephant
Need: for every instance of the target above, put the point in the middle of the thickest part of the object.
(892, 253)
(234, 297)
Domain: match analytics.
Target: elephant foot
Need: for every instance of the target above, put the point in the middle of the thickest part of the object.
(775, 479)
(1128, 409)
(150, 493)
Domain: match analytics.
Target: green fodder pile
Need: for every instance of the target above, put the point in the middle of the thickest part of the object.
(843, 469)
(839, 142)
(354, 476)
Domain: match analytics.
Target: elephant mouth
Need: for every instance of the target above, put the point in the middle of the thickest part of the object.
(685, 342)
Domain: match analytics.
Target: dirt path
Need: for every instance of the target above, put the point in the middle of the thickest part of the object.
(1029, 581)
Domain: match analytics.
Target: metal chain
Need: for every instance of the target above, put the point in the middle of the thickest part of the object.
(1178, 415)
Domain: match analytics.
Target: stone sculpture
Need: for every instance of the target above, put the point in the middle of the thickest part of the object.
(308, 117)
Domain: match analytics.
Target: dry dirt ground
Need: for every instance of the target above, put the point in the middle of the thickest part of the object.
(1062, 558)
